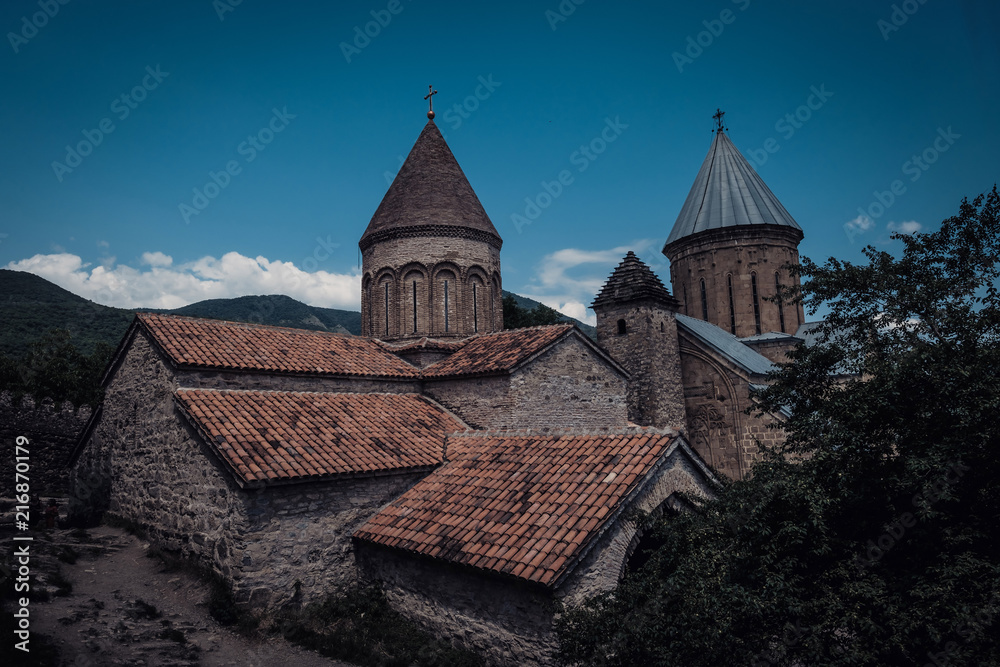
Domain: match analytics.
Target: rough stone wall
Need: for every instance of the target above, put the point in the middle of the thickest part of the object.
(426, 260)
(51, 430)
(265, 382)
(715, 395)
(481, 402)
(648, 350)
(601, 569)
(299, 537)
(776, 351)
(568, 386)
(145, 464)
(507, 621)
(738, 252)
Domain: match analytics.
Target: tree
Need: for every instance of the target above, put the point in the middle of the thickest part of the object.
(54, 368)
(871, 536)
(516, 317)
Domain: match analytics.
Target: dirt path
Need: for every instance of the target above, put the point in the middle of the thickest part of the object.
(128, 609)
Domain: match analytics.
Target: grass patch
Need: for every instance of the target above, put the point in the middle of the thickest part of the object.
(359, 626)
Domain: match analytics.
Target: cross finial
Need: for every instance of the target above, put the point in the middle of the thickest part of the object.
(430, 100)
(718, 120)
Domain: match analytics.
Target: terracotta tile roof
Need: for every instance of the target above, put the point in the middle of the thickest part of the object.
(522, 505)
(497, 352)
(633, 280)
(430, 196)
(203, 343)
(274, 436)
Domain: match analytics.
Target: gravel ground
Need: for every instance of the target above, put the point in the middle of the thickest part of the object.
(126, 608)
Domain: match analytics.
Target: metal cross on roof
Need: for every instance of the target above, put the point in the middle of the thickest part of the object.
(430, 101)
(718, 120)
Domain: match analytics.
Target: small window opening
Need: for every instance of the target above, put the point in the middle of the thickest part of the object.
(622, 328)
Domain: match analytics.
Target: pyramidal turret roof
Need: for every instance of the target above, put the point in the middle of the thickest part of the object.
(633, 280)
(430, 193)
(727, 193)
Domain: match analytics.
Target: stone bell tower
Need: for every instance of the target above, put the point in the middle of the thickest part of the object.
(636, 324)
(430, 255)
(729, 247)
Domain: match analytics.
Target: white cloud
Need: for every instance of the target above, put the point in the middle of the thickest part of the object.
(569, 279)
(164, 285)
(860, 224)
(908, 227)
(157, 259)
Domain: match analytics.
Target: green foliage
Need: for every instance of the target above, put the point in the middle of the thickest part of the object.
(517, 317)
(54, 368)
(359, 626)
(870, 537)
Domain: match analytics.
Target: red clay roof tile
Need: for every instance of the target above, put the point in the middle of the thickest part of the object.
(492, 473)
(497, 352)
(284, 442)
(200, 343)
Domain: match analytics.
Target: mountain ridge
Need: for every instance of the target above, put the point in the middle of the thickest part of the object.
(31, 305)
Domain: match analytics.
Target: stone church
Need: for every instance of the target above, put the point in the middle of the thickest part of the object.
(480, 474)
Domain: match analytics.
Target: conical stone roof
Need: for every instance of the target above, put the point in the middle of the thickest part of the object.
(430, 196)
(727, 193)
(633, 280)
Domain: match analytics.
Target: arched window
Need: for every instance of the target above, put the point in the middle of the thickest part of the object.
(661, 327)
(777, 293)
(446, 296)
(414, 302)
(687, 304)
(475, 295)
(704, 301)
(382, 306)
(732, 307)
(622, 328)
(756, 301)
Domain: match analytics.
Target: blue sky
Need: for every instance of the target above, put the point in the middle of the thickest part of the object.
(311, 116)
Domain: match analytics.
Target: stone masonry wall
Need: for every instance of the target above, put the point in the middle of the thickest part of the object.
(145, 464)
(481, 402)
(400, 261)
(603, 566)
(648, 350)
(265, 382)
(51, 430)
(738, 252)
(568, 386)
(298, 537)
(716, 395)
(506, 620)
